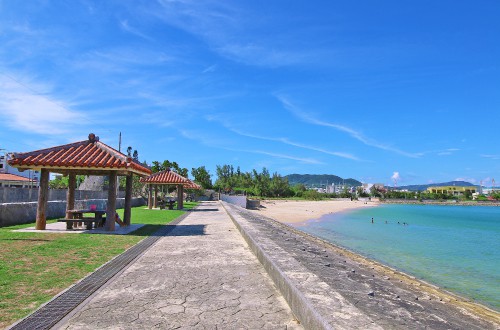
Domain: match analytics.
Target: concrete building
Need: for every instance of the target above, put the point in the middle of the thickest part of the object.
(452, 190)
(338, 188)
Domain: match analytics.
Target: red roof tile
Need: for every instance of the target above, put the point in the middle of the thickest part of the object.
(13, 177)
(192, 185)
(91, 155)
(167, 177)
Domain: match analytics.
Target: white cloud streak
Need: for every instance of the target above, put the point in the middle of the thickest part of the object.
(26, 110)
(351, 132)
(295, 144)
(493, 157)
(302, 160)
(125, 26)
(224, 27)
(471, 180)
(222, 144)
(277, 155)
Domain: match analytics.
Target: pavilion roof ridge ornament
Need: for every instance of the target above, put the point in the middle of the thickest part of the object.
(93, 138)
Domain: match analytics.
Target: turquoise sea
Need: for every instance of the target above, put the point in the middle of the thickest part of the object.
(454, 247)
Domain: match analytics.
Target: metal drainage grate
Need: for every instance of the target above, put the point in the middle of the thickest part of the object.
(48, 315)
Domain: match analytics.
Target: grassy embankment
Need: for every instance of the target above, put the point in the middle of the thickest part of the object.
(36, 266)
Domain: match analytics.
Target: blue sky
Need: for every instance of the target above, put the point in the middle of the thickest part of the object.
(372, 90)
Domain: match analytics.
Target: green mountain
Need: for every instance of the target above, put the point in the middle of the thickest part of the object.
(317, 180)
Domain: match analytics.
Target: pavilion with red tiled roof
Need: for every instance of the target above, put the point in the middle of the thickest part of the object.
(88, 157)
(168, 177)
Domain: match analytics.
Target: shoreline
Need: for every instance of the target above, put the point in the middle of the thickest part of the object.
(300, 212)
(294, 213)
(479, 309)
(444, 203)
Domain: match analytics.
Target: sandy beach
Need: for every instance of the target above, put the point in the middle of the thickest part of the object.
(294, 212)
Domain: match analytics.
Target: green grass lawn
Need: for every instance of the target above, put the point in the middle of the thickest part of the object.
(36, 266)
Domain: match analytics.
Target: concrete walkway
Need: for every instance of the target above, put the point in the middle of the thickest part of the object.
(201, 276)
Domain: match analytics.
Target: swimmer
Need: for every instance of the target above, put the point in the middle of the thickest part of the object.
(372, 220)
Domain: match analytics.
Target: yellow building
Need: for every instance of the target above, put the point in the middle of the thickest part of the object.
(452, 190)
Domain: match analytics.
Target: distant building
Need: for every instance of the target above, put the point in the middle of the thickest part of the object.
(486, 190)
(13, 180)
(32, 177)
(368, 186)
(452, 190)
(338, 188)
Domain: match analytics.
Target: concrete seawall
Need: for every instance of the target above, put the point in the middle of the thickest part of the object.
(328, 287)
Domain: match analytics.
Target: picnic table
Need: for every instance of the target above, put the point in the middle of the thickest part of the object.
(77, 216)
(163, 203)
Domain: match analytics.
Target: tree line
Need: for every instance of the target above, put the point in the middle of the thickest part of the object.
(262, 184)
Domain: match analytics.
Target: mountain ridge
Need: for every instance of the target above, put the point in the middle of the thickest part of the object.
(317, 180)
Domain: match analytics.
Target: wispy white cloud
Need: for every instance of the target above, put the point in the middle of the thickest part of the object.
(351, 132)
(493, 157)
(278, 155)
(25, 109)
(296, 144)
(466, 179)
(211, 68)
(224, 27)
(124, 25)
(262, 55)
(206, 139)
(121, 59)
(447, 152)
(222, 143)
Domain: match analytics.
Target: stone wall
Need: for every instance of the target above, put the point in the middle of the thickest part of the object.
(236, 200)
(20, 213)
(241, 201)
(19, 195)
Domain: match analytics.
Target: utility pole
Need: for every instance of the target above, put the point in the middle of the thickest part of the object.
(120, 142)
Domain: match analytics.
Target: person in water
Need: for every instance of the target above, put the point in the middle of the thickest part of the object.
(372, 220)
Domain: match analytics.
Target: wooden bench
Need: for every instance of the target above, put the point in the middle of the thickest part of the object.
(86, 220)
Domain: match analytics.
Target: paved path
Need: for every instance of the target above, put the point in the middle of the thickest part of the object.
(201, 276)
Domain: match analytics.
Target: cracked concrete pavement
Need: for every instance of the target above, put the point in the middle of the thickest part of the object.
(201, 276)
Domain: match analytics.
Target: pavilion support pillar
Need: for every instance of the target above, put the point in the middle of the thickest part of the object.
(150, 196)
(155, 205)
(127, 212)
(70, 196)
(43, 195)
(111, 211)
(180, 197)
